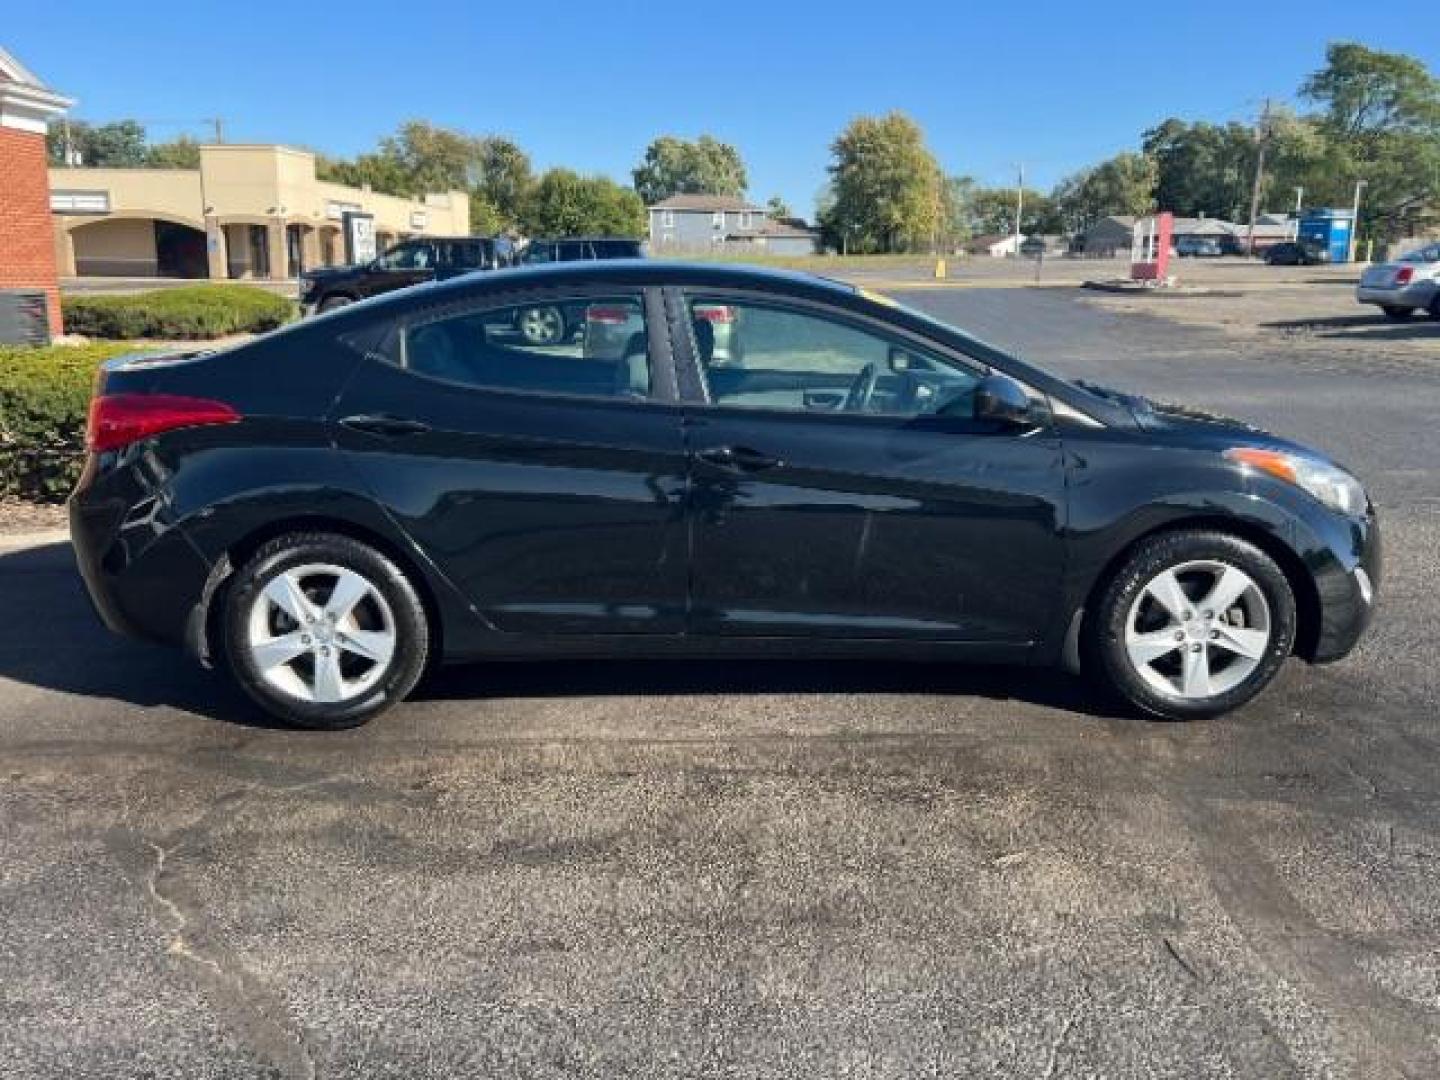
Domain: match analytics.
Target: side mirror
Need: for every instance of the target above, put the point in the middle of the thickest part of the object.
(1003, 400)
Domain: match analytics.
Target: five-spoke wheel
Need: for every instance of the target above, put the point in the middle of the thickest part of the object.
(324, 631)
(1192, 624)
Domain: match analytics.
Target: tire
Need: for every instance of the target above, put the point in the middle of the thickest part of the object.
(1434, 308)
(312, 664)
(542, 325)
(330, 303)
(1393, 311)
(1206, 665)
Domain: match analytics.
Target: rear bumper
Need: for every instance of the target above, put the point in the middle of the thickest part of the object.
(143, 577)
(1415, 295)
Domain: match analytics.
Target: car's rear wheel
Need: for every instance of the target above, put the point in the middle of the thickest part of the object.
(330, 303)
(542, 325)
(1394, 311)
(323, 631)
(1194, 624)
(1434, 308)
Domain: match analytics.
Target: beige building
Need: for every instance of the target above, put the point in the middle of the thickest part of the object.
(247, 212)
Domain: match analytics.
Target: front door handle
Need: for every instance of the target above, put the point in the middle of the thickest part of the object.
(741, 458)
(384, 425)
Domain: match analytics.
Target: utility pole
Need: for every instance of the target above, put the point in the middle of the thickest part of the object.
(1019, 204)
(1262, 136)
(218, 122)
(1355, 222)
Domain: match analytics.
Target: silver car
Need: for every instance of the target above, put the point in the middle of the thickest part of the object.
(1402, 286)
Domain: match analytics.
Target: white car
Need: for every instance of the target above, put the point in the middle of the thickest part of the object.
(1402, 286)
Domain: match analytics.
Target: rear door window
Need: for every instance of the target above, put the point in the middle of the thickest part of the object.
(593, 347)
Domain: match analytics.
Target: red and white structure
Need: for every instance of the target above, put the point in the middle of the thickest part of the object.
(1150, 248)
(27, 238)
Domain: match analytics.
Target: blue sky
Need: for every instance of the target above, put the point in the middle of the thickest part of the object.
(1055, 86)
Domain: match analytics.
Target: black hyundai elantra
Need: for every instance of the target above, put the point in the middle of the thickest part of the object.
(711, 460)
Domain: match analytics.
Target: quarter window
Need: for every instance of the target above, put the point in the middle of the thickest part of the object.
(597, 347)
(761, 356)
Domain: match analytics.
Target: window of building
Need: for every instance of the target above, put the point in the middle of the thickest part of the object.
(80, 202)
(717, 219)
(667, 219)
(589, 347)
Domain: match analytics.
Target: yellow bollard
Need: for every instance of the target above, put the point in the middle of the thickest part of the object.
(939, 268)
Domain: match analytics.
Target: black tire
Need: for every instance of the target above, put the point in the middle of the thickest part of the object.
(330, 303)
(1103, 640)
(406, 619)
(1394, 311)
(1434, 308)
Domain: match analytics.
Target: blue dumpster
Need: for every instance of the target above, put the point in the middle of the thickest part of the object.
(1328, 232)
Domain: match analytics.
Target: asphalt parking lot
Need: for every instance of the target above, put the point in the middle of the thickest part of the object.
(753, 870)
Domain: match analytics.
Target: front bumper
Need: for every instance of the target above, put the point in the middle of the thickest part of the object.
(1347, 585)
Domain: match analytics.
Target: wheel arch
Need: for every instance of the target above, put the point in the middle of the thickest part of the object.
(1302, 582)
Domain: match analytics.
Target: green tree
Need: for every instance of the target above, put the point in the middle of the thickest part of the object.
(503, 178)
(1125, 184)
(116, 145)
(1380, 113)
(674, 166)
(183, 153)
(1202, 168)
(992, 210)
(778, 209)
(564, 203)
(889, 189)
(379, 171)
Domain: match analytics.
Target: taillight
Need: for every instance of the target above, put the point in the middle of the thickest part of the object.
(715, 313)
(117, 420)
(608, 316)
(1403, 275)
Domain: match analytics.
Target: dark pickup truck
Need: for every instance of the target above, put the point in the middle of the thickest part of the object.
(430, 258)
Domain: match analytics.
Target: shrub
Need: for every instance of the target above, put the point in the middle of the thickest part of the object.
(192, 311)
(44, 398)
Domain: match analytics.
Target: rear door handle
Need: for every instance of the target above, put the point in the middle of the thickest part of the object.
(741, 458)
(386, 426)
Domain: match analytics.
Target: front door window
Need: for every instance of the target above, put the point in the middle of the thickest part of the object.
(760, 356)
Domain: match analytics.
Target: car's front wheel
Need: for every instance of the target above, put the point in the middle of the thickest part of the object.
(1194, 624)
(323, 631)
(330, 303)
(1394, 311)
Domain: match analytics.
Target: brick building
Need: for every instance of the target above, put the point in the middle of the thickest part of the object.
(27, 245)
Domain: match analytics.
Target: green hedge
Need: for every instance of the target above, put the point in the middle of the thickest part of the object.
(192, 311)
(44, 398)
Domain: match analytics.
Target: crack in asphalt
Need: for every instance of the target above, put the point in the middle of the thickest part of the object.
(258, 1016)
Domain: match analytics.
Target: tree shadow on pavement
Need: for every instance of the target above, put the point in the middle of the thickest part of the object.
(51, 638)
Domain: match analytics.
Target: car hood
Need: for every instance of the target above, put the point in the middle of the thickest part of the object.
(1195, 425)
(330, 273)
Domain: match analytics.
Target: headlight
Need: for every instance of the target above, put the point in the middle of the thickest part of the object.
(1334, 487)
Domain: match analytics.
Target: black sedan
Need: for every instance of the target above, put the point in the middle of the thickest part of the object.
(328, 510)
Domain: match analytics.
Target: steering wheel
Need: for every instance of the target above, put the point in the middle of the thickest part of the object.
(857, 399)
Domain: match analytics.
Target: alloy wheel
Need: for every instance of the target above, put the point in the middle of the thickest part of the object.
(542, 325)
(321, 633)
(1198, 630)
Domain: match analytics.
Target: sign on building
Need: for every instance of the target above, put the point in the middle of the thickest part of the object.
(359, 230)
